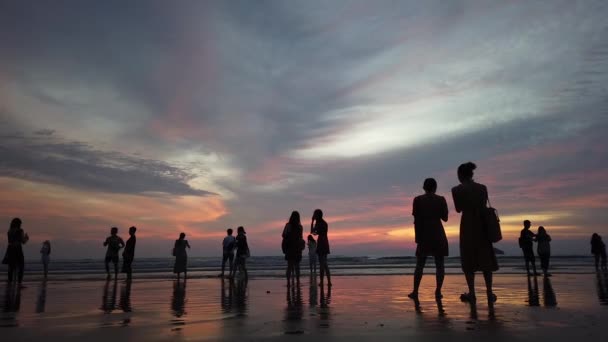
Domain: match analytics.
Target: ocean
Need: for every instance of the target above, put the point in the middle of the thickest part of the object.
(274, 267)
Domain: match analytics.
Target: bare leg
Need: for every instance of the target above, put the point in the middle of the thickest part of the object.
(470, 277)
(288, 273)
(297, 269)
(108, 268)
(487, 276)
(597, 261)
(46, 270)
(440, 275)
(420, 262)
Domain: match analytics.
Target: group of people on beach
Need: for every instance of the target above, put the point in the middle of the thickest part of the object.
(477, 253)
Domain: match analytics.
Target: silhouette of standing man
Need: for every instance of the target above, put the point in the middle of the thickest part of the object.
(129, 253)
(114, 243)
(526, 243)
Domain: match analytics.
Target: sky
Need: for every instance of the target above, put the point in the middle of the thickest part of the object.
(197, 116)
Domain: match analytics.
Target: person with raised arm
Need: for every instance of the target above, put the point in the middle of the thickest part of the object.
(319, 227)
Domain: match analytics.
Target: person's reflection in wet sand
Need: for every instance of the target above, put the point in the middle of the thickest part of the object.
(533, 299)
(602, 286)
(12, 304)
(41, 300)
(240, 294)
(178, 301)
(294, 310)
(312, 291)
(125, 297)
(226, 296)
(324, 311)
(108, 300)
(549, 298)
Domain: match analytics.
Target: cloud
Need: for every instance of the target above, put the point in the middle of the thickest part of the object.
(48, 159)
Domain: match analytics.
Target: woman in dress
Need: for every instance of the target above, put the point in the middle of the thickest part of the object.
(476, 250)
(242, 253)
(14, 251)
(292, 246)
(544, 249)
(319, 227)
(181, 257)
(428, 211)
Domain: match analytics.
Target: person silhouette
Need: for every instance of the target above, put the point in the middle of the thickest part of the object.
(312, 254)
(128, 253)
(428, 211)
(476, 250)
(242, 253)
(181, 256)
(319, 227)
(543, 249)
(598, 249)
(45, 256)
(526, 243)
(14, 257)
(228, 246)
(114, 244)
(292, 246)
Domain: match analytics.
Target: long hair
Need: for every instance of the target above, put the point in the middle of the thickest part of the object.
(542, 231)
(15, 224)
(294, 219)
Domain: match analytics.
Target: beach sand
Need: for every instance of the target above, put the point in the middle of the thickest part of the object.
(362, 308)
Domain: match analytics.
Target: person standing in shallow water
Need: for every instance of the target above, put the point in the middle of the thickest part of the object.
(598, 249)
(129, 253)
(476, 250)
(526, 243)
(428, 211)
(45, 256)
(228, 246)
(114, 244)
(319, 227)
(292, 246)
(544, 249)
(181, 257)
(242, 253)
(312, 254)
(14, 251)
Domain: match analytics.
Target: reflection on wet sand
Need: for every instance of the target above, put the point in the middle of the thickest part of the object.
(324, 310)
(602, 286)
(533, 299)
(125, 297)
(240, 295)
(178, 302)
(12, 304)
(549, 297)
(294, 310)
(226, 296)
(108, 299)
(41, 299)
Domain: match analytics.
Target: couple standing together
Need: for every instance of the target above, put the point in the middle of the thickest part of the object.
(476, 250)
(293, 244)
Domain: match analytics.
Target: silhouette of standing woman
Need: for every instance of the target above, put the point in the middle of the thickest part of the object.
(181, 257)
(429, 210)
(14, 251)
(292, 246)
(476, 251)
(544, 249)
(319, 227)
(129, 253)
(598, 249)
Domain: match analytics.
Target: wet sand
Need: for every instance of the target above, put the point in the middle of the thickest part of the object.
(362, 308)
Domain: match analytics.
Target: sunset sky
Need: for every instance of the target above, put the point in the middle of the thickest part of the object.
(197, 116)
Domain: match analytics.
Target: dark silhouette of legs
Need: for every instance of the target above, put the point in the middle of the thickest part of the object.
(487, 276)
(324, 269)
(420, 262)
(11, 272)
(439, 275)
(470, 277)
(297, 270)
(289, 270)
(597, 261)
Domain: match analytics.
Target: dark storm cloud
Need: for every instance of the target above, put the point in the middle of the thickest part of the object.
(78, 165)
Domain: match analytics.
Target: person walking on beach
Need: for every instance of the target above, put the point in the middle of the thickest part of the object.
(526, 243)
(228, 246)
(128, 253)
(428, 211)
(312, 254)
(181, 257)
(114, 244)
(319, 227)
(544, 249)
(45, 256)
(598, 249)
(293, 244)
(14, 251)
(242, 253)
(476, 250)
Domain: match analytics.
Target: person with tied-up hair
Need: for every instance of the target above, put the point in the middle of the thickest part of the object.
(428, 211)
(476, 250)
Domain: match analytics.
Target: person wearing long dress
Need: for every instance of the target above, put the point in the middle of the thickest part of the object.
(476, 250)
(319, 227)
(428, 211)
(181, 257)
(292, 246)
(14, 251)
(544, 249)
